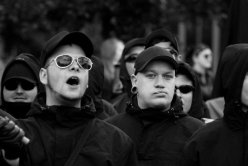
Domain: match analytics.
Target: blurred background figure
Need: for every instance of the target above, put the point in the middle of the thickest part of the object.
(129, 55)
(163, 38)
(96, 78)
(200, 59)
(110, 54)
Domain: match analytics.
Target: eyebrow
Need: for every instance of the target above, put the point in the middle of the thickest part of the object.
(150, 70)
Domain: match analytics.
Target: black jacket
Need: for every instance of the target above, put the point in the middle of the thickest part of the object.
(55, 133)
(225, 141)
(159, 136)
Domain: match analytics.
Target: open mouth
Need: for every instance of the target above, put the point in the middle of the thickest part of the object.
(73, 81)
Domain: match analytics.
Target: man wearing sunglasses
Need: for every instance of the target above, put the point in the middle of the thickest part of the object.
(62, 125)
(19, 87)
(188, 89)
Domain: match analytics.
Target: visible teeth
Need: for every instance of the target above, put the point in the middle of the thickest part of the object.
(73, 81)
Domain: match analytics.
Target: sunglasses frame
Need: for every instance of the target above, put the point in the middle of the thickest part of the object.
(185, 86)
(73, 59)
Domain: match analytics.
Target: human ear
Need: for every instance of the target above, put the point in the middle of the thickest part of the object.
(134, 80)
(43, 76)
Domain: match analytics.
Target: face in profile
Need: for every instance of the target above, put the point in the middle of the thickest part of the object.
(155, 85)
(19, 90)
(66, 75)
(204, 59)
(184, 90)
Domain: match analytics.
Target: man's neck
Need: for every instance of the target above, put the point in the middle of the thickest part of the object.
(60, 100)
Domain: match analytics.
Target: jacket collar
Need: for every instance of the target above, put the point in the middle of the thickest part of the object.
(152, 114)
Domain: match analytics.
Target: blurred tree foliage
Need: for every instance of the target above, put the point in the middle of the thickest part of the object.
(26, 24)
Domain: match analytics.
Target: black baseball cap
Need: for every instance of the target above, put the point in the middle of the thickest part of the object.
(132, 43)
(162, 34)
(65, 37)
(153, 53)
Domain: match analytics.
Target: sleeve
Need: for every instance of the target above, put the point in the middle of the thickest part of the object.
(131, 157)
(190, 154)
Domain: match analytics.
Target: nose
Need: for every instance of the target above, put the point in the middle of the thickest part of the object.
(159, 82)
(75, 66)
(19, 89)
(178, 93)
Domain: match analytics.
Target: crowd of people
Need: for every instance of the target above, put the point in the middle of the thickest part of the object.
(140, 103)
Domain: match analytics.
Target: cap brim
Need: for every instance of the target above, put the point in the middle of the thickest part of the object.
(163, 58)
(20, 77)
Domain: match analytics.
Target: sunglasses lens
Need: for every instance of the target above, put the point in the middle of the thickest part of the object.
(26, 85)
(186, 89)
(11, 85)
(64, 60)
(85, 63)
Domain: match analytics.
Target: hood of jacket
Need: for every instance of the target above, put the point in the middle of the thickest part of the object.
(197, 106)
(231, 72)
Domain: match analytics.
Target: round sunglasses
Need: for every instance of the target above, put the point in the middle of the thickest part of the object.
(64, 61)
(13, 84)
(185, 88)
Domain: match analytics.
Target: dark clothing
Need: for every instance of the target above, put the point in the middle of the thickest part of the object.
(55, 132)
(108, 110)
(120, 102)
(159, 136)
(206, 83)
(95, 89)
(224, 142)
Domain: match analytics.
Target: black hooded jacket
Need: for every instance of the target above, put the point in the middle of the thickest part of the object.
(225, 141)
(197, 109)
(56, 131)
(159, 136)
